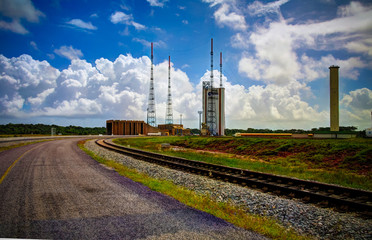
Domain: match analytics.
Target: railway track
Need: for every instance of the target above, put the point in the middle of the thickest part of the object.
(325, 195)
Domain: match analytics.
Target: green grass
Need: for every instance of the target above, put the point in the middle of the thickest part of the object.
(339, 162)
(237, 216)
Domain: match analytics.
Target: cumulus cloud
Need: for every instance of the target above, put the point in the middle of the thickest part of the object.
(358, 99)
(108, 89)
(24, 81)
(17, 11)
(269, 106)
(69, 52)
(274, 61)
(119, 90)
(81, 24)
(356, 107)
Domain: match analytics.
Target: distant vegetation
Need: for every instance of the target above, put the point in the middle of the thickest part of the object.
(231, 132)
(42, 129)
(348, 129)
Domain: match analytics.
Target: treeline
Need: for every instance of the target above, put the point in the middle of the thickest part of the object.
(11, 129)
(346, 129)
(230, 132)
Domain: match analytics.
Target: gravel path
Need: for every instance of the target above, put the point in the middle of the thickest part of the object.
(305, 218)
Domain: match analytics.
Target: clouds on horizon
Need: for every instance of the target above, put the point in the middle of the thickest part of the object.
(119, 90)
(277, 54)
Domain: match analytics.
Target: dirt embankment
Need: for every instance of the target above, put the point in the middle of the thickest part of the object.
(353, 155)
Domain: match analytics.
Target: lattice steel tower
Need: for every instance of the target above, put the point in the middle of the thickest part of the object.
(211, 119)
(151, 111)
(169, 112)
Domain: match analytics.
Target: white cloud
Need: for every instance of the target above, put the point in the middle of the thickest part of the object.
(157, 3)
(119, 89)
(277, 61)
(34, 45)
(40, 98)
(270, 106)
(94, 15)
(81, 24)
(356, 107)
(14, 26)
(159, 44)
(358, 99)
(239, 40)
(274, 61)
(109, 89)
(24, 80)
(69, 52)
(120, 17)
(18, 10)
(138, 26)
(27, 73)
(215, 2)
(313, 69)
(352, 9)
(258, 8)
(226, 17)
(13, 106)
(363, 46)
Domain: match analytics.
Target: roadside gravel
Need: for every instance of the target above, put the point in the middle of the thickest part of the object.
(305, 218)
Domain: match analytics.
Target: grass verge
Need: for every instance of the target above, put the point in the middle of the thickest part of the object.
(294, 165)
(19, 145)
(226, 211)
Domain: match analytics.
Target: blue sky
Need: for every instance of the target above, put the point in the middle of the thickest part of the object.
(82, 62)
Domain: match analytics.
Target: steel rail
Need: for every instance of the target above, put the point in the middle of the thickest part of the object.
(325, 195)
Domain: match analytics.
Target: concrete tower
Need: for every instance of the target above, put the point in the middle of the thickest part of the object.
(334, 108)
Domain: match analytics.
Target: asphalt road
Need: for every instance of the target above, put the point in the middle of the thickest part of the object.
(54, 190)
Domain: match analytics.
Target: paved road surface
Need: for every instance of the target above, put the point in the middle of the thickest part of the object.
(56, 191)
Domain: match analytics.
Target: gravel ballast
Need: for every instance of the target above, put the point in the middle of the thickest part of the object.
(305, 218)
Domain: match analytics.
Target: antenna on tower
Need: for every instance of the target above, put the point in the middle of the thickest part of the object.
(211, 119)
(211, 63)
(220, 69)
(169, 112)
(151, 113)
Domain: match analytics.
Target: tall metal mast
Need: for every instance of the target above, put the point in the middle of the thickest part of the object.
(169, 112)
(151, 111)
(211, 119)
(220, 69)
